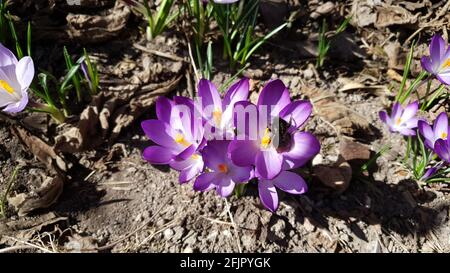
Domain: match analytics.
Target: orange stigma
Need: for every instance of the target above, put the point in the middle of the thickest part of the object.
(223, 168)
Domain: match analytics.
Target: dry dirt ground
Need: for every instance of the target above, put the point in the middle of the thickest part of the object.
(90, 190)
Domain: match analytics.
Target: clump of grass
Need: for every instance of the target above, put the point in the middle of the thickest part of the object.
(325, 41)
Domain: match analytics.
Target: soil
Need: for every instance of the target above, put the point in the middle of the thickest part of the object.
(114, 201)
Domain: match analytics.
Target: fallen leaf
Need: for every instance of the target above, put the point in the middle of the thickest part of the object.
(43, 197)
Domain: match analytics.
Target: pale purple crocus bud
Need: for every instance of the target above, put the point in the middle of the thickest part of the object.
(403, 121)
(15, 80)
(438, 63)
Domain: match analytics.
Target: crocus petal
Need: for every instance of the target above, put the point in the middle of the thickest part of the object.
(426, 64)
(204, 182)
(442, 150)
(304, 147)
(245, 120)
(429, 173)
(411, 123)
(18, 106)
(444, 78)
(396, 111)
(410, 111)
(407, 131)
(188, 174)
(237, 92)
(426, 131)
(240, 174)
(157, 155)
(225, 187)
(215, 153)
(158, 132)
(209, 94)
(163, 109)
(437, 49)
(243, 152)
(7, 57)
(298, 110)
(290, 182)
(186, 153)
(440, 126)
(268, 195)
(268, 163)
(383, 116)
(25, 72)
(274, 95)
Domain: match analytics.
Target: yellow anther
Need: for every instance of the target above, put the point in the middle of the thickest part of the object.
(444, 135)
(179, 138)
(265, 141)
(446, 64)
(217, 116)
(195, 156)
(223, 168)
(4, 85)
(398, 121)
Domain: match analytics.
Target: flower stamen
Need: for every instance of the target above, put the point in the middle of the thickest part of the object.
(265, 141)
(217, 116)
(179, 138)
(444, 135)
(5, 86)
(446, 63)
(398, 121)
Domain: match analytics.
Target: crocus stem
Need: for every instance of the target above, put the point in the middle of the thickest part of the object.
(239, 189)
(436, 94)
(426, 95)
(54, 112)
(408, 149)
(402, 97)
(8, 188)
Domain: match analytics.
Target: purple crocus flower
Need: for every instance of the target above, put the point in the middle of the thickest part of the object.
(438, 63)
(268, 156)
(431, 171)
(178, 136)
(402, 120)
(223, 173)
(439, 130)
(15, 79)
(286, 181)
(442, 149)
(217, 112)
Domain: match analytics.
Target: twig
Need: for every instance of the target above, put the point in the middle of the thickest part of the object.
(29, 244)
(234, 225)
(217, 221)
(159, 53)
(192, 61)
(190, 88)
(166, 226)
